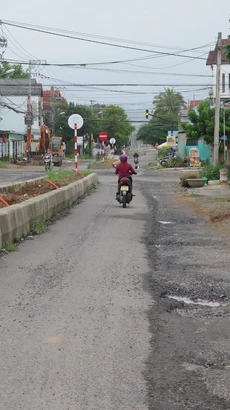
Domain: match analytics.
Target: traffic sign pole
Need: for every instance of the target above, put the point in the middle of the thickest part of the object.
(103, 151)
(75, 145)
(75, 121)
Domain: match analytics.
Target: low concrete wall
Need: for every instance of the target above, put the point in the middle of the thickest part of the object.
(15, 220)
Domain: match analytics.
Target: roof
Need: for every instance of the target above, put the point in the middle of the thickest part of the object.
(212, 56)
(194, 103)
(19, 87)
(56, 96)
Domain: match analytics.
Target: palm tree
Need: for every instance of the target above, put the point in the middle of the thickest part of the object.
(168, 103)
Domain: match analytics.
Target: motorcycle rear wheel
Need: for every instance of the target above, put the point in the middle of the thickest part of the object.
(124, 201)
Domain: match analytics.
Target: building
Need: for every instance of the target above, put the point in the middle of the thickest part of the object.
(225, 73)
(13, 108)
(52, 99)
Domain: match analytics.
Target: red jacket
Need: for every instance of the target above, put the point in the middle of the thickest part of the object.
(124, 170)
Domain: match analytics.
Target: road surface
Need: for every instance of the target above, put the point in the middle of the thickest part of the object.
(86, 318)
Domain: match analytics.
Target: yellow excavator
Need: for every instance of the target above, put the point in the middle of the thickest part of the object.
(57, 147)
(55, 144)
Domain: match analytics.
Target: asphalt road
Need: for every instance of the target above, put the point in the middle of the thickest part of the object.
(74, 313)
(86, 316)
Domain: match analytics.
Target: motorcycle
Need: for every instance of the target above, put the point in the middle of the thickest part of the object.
(124, 195)
(47, 162)
(136, 162)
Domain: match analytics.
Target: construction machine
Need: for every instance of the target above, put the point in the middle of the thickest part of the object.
(57, 149)
(54, 143)
(44, 141)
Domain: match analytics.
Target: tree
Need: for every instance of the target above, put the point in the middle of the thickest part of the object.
(203, 122)
(61, 116)
(227, 50)
(115, 122)
(154, 131)
(17, 70)
(168, 104)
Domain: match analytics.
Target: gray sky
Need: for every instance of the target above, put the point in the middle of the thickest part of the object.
(160, 26)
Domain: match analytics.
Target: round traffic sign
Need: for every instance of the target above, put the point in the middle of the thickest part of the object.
(75, 121)
(112, 141)
(103, 136)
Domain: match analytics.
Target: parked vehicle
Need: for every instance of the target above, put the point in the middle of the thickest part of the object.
(124, 195)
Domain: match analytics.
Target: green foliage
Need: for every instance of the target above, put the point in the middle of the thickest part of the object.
(162, 153)
(168, 103)
(115, 123)
(227, 50)
(154, 131)
(97, 118)
(37, 227)
(17, 73)
(174, 163)
(2, 164)
(167, 106)
(211, 172)
(10, 247)
(203, 122)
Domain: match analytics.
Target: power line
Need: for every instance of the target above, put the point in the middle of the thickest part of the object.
(75, 37)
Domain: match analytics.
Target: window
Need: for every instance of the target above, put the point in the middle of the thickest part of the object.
(223, 83)
(191, 142)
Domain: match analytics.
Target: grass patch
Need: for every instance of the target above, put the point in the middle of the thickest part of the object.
(152, 164)
(14, 188)
(64, 177)
(218, 200)
(195, 196)
(2, 164)
(10, 247)
(37, 227)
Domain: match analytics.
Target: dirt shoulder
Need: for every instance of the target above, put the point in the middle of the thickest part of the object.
(212, 203)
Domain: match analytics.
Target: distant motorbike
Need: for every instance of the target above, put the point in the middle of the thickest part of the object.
(124, 195)
(136, 162)
(47, 162)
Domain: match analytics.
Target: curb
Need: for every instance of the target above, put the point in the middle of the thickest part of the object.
(15, 220)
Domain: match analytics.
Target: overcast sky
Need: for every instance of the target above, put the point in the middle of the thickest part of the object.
(158, 26)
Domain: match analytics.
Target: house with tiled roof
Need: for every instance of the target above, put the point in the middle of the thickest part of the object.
(52, 98)
(225, 72)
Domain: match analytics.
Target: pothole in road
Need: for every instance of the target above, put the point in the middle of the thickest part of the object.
(199, 302)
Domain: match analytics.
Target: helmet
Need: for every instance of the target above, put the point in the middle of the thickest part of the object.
(123, 158)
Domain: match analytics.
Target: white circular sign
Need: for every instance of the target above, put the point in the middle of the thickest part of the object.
(75, 119)
(112, 141)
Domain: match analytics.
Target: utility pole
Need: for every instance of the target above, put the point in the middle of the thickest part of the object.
(29, 116)
(52, 111)
(217, 106)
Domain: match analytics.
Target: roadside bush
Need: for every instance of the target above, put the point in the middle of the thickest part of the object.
(162, 153)
(211, 172)
(174, 163)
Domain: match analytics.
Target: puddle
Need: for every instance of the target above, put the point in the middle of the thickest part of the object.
(191, 302)
(165, 222)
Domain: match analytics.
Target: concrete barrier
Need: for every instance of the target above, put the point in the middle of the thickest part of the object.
(15, 220)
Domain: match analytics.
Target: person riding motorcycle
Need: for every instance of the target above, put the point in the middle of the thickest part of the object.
(49, 155)
(124, 170)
